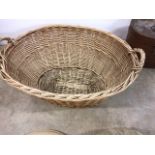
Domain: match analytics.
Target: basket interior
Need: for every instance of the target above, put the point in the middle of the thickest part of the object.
(71, 80)
(68, 60)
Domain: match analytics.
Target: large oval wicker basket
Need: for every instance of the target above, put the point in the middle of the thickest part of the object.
(70, 66)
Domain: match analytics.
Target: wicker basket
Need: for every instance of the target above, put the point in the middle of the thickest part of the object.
(70, 66)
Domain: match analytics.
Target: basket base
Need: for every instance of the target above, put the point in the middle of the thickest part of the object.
(71, 80)
(76, 104)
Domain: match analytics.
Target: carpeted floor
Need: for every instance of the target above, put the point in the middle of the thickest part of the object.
(132, 109)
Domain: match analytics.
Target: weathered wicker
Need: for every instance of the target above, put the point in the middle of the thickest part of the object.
(48, 132)
(70, 66)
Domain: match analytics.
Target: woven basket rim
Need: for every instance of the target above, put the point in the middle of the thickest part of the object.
(70, 97)
(123, 42)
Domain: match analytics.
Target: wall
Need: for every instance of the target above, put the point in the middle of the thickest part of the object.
(14, 28)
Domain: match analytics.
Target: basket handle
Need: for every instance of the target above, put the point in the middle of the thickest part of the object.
(9, 40)
(139, 58)
(3, 43)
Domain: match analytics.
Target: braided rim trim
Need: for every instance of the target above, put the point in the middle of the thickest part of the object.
(68, 97)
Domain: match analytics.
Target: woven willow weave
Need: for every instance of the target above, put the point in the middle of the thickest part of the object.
(70, 66)
(48, 132)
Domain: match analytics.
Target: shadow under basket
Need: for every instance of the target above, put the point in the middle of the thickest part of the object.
(69, 66)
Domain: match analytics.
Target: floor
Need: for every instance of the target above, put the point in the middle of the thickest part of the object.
(131, 109)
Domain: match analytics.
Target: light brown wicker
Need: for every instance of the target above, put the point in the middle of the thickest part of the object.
(68, 65)
(48, 132)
